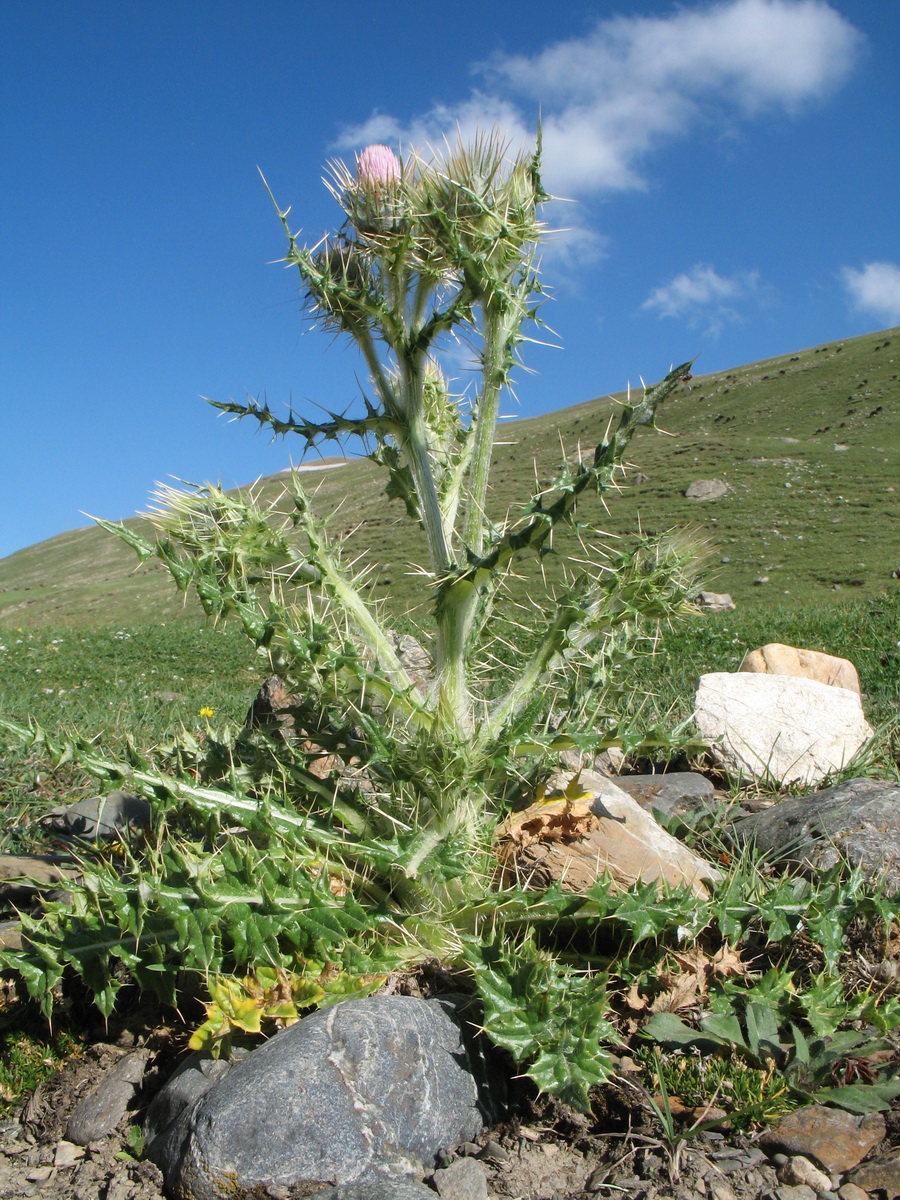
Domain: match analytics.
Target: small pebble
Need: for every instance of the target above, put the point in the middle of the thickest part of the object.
(721, 1189)
(67, 1154)
(464, 1179)
(39, 1174)
(850, 1191)
(729, 1166)
(799, 1170)
(797, 1191)
(493, 1150)
(469, 1149)
(754, 1156)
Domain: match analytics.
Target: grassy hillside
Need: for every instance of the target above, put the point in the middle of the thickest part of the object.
(809, 445)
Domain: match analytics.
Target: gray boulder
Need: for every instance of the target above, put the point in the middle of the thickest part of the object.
(365, 1091)
(857, 822)
(193, 1079)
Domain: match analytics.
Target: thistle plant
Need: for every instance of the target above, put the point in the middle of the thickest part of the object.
(389, 859)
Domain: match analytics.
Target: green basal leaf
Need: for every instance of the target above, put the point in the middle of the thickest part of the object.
(860, 1097)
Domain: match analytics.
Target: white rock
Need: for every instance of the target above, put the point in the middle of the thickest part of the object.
(784, 729)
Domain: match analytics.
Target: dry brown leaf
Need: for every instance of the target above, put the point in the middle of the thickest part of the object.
(635, 1001)
(557, 821)
(727, 962)
(724, 964)
(687, 987)
(681, 990)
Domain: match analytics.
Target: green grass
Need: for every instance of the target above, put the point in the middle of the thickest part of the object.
(141, 683)
(819, 523)
(147, 683)
(30, 1052)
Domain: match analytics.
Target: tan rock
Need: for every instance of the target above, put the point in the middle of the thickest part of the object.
(706, 489)
(777, 659)
(834, 1139)
(10, 935)
(585, 826)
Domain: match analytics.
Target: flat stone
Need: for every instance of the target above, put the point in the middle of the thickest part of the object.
(857, 822)
(574, 841)
(673, 793)
(101, 1110)
(66, 1154)
(779, 728)
(464, 1179)
(796, 1191)
(721, 1189)
(879, 1175)
(363, 1091)
(36, 871)
(493, 1150)
(778, 659)
(715, 602)
(10, 935)
(100, 818)
(834, 1139)
(850, 1191)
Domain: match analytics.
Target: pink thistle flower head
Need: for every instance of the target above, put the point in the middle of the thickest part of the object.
(377, 167)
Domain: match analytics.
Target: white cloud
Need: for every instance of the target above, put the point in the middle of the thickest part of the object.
(702, 297)
(610, 97)
(876, 289)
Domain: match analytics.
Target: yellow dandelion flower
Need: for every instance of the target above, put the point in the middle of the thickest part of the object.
(207, 712)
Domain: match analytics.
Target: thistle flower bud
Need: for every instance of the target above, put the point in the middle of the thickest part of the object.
(377, 167)
(375, 201)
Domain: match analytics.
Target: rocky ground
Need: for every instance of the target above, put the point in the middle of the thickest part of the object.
(542, 1151)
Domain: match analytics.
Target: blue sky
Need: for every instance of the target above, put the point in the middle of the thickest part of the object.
(732, 170)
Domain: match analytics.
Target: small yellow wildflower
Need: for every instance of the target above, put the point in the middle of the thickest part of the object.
(207, 712)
